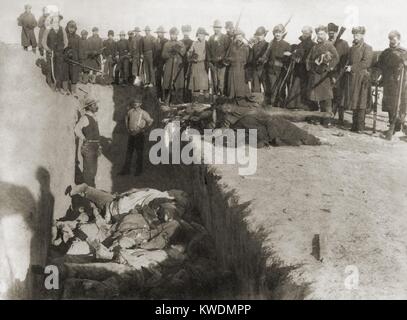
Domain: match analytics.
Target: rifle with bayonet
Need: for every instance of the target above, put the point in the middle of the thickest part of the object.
(395, 120)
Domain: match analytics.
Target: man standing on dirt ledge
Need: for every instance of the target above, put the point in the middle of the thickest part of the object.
(27, 23)
(87, 130)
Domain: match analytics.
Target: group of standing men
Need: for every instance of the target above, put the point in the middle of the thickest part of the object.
(326, 75)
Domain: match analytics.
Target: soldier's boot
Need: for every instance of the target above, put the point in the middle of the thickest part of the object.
(341, 116)
(65, 89)
(25, 48)
(34, 50)
(41, 52)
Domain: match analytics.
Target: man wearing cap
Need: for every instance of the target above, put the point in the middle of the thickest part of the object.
(342, 48)
(159, 61)
(71, 71)
(173, 54)
(109, 54)
(322, 60)
(123, 58)
(300, 74)
(83, 55)
(275, 60)
(54, 41)
(87, 131)
(95, 46)
(356, 93)
(392, 63)
(186, 32)
(27, 23)
(148, 47)
(237, 60)
(137, 123)
(198, 82)
(41, 25)
(259, 49)
(217, 49)
(136, 52)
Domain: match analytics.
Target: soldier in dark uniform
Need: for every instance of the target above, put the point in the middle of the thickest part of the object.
(148, 47)
(229, 28)
(342, 47)
(237, 60)
(186, 31)
(356, 94)
(259, 49)
(275, 58)
(159, 61)
(321, 60)
(123, 58)
(83, 56)
(95, 46)
(109, 54)
(41, 25)
(136, 52)
(217, 49)
(131, 39)
(173, 53)
(71, 71)
(54, 42)
(392, 63)
(298, 92)
(87, 131)
(27, 23)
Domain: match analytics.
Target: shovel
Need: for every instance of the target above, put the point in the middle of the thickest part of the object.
(138, 82)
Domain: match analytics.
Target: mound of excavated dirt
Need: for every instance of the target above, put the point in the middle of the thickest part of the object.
(37, 161)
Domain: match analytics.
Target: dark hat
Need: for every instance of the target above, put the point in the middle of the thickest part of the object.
(186, 28)
(261, 31)
(137, 29)
(70, 24)
(84, 32)
(229, 25)
(174, 30)
(95, 29)
(321, 28)
(201, 31)
(394, 34)
(130, 32)
(332, 27)
(110, 33)
(360, 30)
(122, 33)
(89, 102)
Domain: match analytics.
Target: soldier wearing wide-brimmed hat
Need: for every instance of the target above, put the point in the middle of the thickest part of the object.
(216, 51)
(123, 58)
(356, 92)
(71, 71)
(109, 54)
(187, 41)
(148, 45)
(136, 52)
(321, 60)
(342, 47)
(173, 53)
(87, 130)
(259, 49)
(392, 64)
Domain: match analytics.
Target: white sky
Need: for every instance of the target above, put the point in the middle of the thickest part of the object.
(378, 16)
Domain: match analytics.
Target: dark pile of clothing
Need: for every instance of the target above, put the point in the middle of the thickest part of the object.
(156, 249)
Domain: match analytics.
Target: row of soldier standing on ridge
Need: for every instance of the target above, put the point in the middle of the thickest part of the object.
(327, 75)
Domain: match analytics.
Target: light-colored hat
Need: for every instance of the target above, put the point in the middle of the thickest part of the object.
(201, 31)
(27, 6)
(359, 30)
(217, 24)
(321, 28)
(229, 25)
(137, 29)
(160, 29)
(83, 32)
(122, 33)
(147, 28)
(306, 29)
(279, 28)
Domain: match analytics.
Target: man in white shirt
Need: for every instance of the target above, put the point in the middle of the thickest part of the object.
(137, 122)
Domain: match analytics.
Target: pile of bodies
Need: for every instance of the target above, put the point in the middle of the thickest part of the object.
(143, 243)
